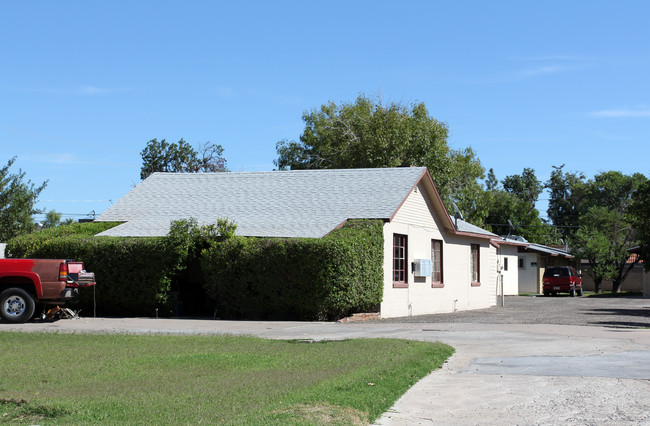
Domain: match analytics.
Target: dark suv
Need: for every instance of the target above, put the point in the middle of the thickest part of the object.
(562, 279)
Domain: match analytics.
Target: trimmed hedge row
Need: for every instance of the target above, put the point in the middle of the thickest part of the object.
(304, 279)
(133, 274)
(251, 278)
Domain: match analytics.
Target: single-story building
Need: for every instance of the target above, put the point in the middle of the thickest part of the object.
(507, 261)
(531, 262)
(433, 263)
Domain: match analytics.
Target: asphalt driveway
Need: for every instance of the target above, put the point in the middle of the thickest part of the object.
(604, 311)
(535, 361)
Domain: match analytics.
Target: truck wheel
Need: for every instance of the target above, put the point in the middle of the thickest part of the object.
(579, 292)
(572, 292)
(16, 305)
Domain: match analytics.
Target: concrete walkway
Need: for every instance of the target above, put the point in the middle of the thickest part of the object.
(500, 373)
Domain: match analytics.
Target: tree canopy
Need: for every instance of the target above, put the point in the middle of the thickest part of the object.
(513, 200)
(604, 233)
(52, 219)
(17, 200)
(366, 134)
(565, 202)
(161, 156)
(640, 219)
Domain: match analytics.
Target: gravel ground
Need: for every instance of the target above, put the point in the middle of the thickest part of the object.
(601, 311)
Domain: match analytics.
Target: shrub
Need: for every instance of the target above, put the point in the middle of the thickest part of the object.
(277, 278)
(133, 274)
(29, 245)
(261, 278)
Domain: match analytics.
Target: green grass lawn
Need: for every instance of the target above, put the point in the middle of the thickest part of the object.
(161, 379)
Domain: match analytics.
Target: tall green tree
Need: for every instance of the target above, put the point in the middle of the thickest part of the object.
(639, 217)
(525, 186)
(603, 239)
(606, 233)
(566, 199)
(161, 156)
(514, 201)
(367, 133)
(17, 200)
(491, 182)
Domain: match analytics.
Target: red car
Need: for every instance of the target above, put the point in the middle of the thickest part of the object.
(562, 279)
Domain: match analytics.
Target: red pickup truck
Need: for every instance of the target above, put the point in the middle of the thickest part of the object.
(24, 283)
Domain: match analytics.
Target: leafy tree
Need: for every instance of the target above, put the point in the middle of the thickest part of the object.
(52, 219)
(367, 133)
(602, 239)
(640, 220)
(17, 200)
(462, 185)
(525, 186)
(491, 182)
(515, 202)
(566, 200)
(161, 156)
(613, 190)
(606, 233)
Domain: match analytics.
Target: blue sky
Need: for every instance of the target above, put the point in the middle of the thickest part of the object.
(526, 84)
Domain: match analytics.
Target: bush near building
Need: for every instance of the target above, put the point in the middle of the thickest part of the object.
(245, 277)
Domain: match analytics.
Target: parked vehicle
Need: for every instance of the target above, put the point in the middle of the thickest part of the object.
(24, 283)
(562, 279)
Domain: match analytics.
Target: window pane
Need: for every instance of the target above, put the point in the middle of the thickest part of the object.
(476, 276)
(436, 259)
(400, 256)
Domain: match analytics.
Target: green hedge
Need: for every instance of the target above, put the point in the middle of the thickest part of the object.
(307, 279)
(133, 274)
(252, 278)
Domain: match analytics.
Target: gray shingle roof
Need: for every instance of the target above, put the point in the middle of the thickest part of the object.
(463, 226)
(297, 203)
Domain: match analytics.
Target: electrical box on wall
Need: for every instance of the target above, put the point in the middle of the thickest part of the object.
(422, 267)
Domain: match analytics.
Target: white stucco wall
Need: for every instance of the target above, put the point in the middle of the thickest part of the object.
(509, 254)
(416, 220)
(528, 274)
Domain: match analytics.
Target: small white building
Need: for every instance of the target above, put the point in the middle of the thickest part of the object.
(529, 261)
(507, 264)
(432, 262)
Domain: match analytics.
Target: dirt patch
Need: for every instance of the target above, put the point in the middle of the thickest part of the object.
(324, 414)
